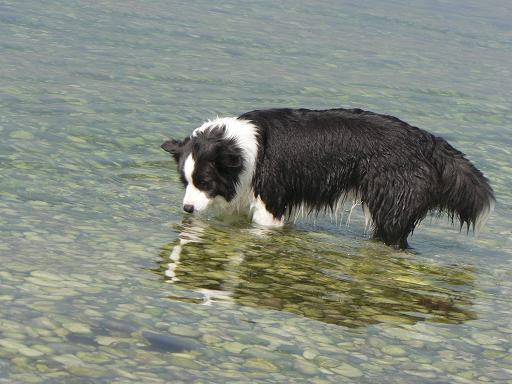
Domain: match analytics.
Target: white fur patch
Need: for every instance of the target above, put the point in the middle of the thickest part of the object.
(245, 135)
(193, 196)
(261, 216)
(484, 216)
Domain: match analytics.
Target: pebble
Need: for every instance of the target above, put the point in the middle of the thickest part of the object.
(46, 275)
(45, 282)
(10, 326)
(251, 339)
(376, 342)
(94, 357)
(68, 359)
(105, 340)
(14, 346)
(24, 135)
(76, 327)
(289, 348)
(184, 330)
(30, 352)
(347, 370)
(424, 374)
(184, 362)
(394, 350)
(310, 354)
(260, 352)
(234, 347)
(85, 371)
(484, 339)
(318, 380)
(43, 348)
(261, 364)
(169, 343)
(211, 339)
(305, 367)
(327, 362)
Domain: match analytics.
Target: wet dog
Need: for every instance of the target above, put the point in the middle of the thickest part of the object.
(272, 163)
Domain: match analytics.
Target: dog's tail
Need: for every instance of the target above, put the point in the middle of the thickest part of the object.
(464, 191)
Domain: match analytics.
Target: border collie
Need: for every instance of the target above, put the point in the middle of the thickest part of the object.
(274, 163)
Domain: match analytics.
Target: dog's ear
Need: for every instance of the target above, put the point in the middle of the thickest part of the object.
(174, 147)
(229, 160)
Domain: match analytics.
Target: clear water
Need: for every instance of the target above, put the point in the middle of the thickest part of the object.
(102, 277)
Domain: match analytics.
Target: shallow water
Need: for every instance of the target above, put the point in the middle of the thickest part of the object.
(103, 279)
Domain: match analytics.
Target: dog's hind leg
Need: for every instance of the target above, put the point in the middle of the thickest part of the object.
(392, 236)
(398, 204)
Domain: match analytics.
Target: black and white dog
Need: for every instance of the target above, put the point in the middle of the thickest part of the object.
(271, 163)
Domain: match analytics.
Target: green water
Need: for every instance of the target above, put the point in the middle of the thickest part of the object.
(104, 280)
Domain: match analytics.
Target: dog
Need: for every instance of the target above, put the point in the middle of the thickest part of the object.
(276, 162)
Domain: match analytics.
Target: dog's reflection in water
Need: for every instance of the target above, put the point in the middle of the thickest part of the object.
(190, 234)
(346, 281)
(193, 230)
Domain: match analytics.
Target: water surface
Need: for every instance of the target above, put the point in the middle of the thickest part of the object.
(103, 279)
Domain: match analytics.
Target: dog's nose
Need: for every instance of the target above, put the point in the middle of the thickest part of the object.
(188, 208)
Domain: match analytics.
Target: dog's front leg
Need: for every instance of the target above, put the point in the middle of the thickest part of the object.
(261, 216)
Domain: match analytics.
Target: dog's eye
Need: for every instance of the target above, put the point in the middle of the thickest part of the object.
(202, 184)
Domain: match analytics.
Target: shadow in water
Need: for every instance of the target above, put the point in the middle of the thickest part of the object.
(312, 274)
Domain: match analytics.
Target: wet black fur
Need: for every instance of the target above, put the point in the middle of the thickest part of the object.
(400, 172)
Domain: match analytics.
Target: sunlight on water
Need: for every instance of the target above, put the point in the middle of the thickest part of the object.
(103, 278)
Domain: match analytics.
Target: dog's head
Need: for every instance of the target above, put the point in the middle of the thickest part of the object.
(209, 164)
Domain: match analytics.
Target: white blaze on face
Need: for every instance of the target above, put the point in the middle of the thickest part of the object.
(193, 196)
